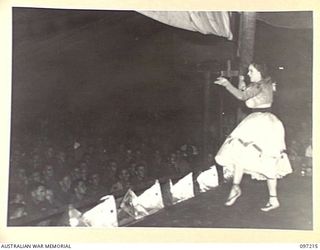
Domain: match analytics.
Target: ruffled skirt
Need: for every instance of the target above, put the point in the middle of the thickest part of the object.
(257, 145)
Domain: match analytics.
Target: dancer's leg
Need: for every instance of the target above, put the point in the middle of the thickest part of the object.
(238, 173)
(235, 191)
(273, 202)
(272, 187)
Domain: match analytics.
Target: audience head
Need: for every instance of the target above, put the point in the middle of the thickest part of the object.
(123, 175)
(79, 187)
(75, 173)
(49, 195)
(113, 166)
(141, 170)
(48, 170)
(17, 210)
(95, 179)
(65, 181)
(35, 176)
(38, 192)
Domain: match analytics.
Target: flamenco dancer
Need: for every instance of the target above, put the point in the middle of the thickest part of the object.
(257, 145)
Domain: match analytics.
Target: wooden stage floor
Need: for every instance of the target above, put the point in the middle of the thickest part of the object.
(206, 210)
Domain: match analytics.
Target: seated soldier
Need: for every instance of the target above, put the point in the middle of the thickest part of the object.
(178, 166)
(37, 199)
(64, 194)
(36, 162)
(141, 176)
(110, 174)
(75, 173)
(19, 178)
(294, 155)
(61, 161)
(35, 177)
(157, 164)
(307, 160)
(95, 187)
(132, 168)
(16, 197)
(80, 191)
(51, 198)
(308, 153)
(16, 211)
(123, 182)
(50, 156)
(49, 176)
(84, 169)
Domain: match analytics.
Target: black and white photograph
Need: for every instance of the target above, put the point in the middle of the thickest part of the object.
(161, 119)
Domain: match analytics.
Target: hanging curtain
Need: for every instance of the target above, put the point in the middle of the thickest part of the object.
(289, 20)
(205, 22)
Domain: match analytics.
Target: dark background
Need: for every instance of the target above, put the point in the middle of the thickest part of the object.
(122, 74)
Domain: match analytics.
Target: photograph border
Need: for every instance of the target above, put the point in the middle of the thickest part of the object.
(144, 235)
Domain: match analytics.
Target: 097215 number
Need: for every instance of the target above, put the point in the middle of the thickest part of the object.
(305, 246)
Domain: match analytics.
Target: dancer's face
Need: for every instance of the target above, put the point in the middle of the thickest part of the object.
(254, 74)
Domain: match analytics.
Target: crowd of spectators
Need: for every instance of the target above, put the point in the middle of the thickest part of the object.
(299, 148)
(45, 176)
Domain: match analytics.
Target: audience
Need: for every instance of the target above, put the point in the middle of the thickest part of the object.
(141, 175)
(80, 191)
(17, 210)
(123, 181)
(47, 175)
(37, 201)
(64, 188)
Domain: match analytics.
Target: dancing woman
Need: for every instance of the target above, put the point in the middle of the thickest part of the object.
(257, 145)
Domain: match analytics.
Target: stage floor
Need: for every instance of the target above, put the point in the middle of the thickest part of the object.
(206, 210)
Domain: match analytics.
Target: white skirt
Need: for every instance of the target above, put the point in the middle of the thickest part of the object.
(257, 145)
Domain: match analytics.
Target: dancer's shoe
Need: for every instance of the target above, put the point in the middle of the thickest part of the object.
(271, 205)
(234, 195)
